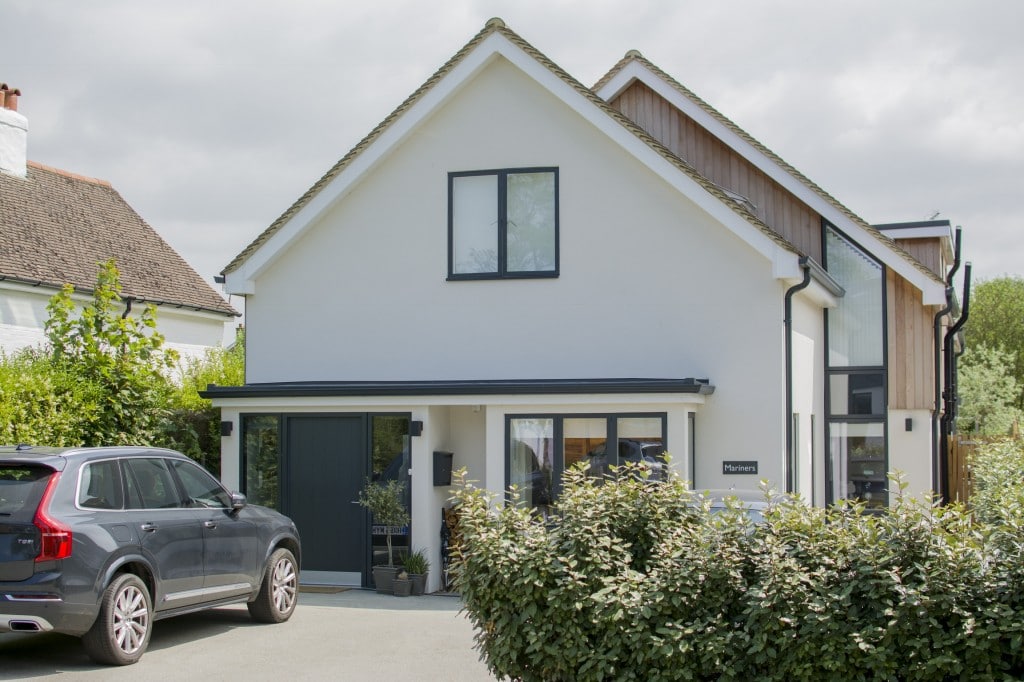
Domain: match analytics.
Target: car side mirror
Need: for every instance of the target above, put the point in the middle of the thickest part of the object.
(237, 501)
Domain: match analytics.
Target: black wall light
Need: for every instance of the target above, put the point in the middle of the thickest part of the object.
(226, 428)
(416, 428)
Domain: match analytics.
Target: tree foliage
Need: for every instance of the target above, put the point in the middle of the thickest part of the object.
(997, 321)
(105, 377)
(122, 356)
(988, 392)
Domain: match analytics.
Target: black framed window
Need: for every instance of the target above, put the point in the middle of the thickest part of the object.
(539, 448)
(261, 459)
(857, 394)
(503, 223)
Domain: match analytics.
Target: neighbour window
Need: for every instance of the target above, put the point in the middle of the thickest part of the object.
(503, 223)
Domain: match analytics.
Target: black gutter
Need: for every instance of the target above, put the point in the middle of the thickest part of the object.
(939, 448)
(951, 393)
(788, 322)
(459, 387)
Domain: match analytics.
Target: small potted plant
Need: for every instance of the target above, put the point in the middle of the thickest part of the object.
(417, 566)
(402, 584)
(385, 501)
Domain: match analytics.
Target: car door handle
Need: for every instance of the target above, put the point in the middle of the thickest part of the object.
(149, 527)
(209, 524)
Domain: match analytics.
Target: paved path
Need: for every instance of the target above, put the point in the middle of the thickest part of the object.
(354, 635)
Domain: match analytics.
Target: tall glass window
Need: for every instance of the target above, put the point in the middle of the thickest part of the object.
(261, 454)
(390, 461)
(857, 398)
(855, 334)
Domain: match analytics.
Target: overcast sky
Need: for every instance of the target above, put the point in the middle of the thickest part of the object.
(212, 117)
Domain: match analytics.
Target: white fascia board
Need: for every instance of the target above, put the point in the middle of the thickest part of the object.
(356, 403)
(932, 292)
(242, 280)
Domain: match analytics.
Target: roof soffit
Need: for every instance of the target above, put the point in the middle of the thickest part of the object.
(635, 67)
(493, 41)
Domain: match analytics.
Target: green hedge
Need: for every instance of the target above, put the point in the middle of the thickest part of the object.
(635, 580)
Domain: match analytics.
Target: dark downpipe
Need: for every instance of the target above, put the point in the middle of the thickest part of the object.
(788, 322)
(939, 449)
(951, 393)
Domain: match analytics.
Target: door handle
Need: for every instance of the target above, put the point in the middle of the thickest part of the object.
(149, 527)
(209, 524)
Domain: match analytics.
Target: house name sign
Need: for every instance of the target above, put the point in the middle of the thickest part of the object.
(739, 467)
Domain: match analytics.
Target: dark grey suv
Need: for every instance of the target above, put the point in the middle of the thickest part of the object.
(102, 542)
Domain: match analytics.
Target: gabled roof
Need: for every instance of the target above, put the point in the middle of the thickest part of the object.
(498, 39)
(55, 227)
(634, 66)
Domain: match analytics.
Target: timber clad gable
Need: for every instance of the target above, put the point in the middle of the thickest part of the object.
(769, 201)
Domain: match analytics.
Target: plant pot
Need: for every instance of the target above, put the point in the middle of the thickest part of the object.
(402, 587)
(419, 583)
(383, 578)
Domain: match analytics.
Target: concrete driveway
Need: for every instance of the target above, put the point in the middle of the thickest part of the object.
(353, 635)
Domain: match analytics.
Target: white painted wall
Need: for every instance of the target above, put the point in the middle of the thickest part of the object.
(23, 318)
(910, 451)
(650, 285)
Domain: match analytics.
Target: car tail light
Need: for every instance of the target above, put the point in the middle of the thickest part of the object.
(55, 537)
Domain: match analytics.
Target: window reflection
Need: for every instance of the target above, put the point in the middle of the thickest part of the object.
(531, 460)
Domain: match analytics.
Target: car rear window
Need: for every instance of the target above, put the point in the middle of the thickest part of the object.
(21, 488)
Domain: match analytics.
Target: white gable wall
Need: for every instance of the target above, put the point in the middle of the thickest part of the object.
(23, 317)
(650, 285)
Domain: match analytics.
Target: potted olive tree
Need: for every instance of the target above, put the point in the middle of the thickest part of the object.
(417, 566)
(385, 501)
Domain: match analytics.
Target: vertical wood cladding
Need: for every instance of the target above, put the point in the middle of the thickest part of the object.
(911, 346)
(910, 351)
(773, 204)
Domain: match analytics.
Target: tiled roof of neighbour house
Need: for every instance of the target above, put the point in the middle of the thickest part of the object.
(498, 26)
(56, 226)
(634, 55)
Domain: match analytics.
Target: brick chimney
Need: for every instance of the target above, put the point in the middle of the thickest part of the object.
(13, 133)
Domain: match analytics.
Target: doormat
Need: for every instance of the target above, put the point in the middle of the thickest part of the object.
(322, 589)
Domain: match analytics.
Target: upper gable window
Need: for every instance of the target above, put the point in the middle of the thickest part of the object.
(503, 223)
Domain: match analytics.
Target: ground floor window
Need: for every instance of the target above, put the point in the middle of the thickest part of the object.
(389, 448)
(261, 451)
(859, 462)
(541, 447)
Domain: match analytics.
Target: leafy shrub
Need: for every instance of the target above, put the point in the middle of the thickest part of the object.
(105, 378)
(637, 580)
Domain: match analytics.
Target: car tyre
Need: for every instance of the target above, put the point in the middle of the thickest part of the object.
(121, 632)
(279, 592)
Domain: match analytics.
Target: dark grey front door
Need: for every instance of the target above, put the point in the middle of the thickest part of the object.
(326, 467)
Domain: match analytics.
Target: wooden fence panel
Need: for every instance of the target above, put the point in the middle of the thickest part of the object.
(961, 449)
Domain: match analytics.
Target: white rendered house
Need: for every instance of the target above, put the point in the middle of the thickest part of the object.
(527, 273)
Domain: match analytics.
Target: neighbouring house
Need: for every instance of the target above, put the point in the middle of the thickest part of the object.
(514, 273)
(57, 226)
